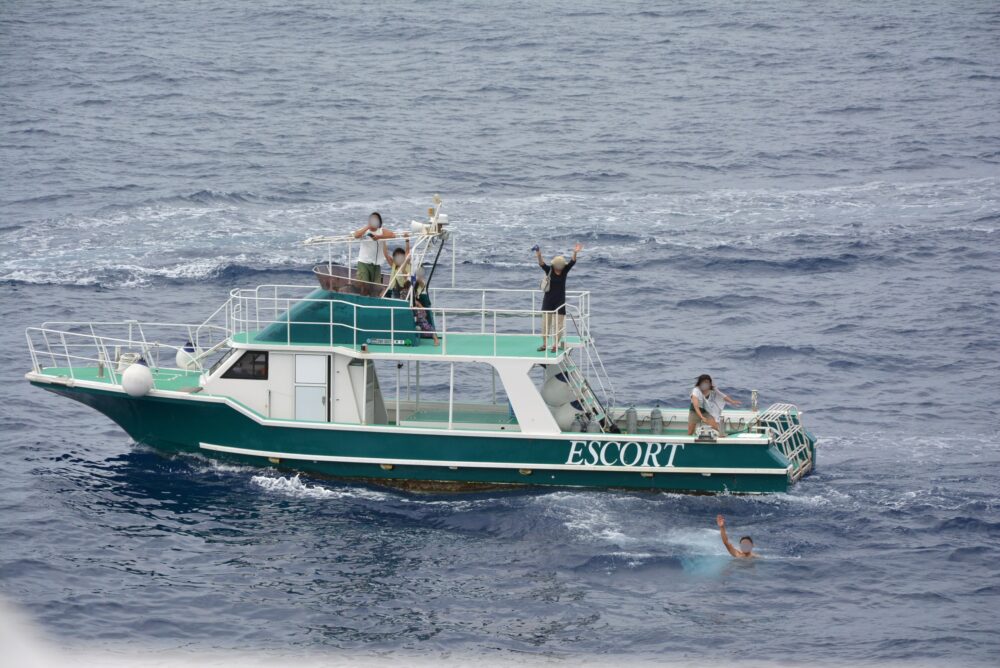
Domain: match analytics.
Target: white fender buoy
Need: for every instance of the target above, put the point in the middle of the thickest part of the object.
(565, 415)
(184, 358)
(556, 391)
(137, 380)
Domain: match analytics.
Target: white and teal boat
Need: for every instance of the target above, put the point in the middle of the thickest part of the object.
(338, 381)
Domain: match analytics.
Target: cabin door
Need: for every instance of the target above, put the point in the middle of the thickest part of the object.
(312, 388)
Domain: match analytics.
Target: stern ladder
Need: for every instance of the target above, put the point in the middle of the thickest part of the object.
(583, 393)
(784, 425)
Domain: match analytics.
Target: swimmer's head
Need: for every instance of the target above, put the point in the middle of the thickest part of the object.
(746, 545)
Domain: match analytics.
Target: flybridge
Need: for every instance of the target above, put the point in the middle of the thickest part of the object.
(426, 242)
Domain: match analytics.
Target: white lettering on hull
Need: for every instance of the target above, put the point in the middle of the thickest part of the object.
(614, 453)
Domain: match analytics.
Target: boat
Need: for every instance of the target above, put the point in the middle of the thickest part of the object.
(339, 379)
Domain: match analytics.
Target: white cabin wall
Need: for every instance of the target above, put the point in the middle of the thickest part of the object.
(346, 406)
(281, 379)
(279, 387)
(252, 393)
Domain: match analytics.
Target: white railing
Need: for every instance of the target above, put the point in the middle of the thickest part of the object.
(250, 311)
(486, 300)
(102, 345)
(592, 364)
(466, 311)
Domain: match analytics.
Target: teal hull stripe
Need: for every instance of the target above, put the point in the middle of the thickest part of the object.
(489, 465)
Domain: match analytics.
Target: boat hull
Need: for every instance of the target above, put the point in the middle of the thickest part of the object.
(436, 458)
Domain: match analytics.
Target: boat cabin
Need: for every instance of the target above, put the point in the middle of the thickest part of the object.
(350, 358)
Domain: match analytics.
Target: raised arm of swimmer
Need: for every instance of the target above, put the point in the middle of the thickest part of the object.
(744, 551)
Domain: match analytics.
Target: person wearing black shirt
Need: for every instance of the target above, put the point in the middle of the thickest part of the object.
(554, 302)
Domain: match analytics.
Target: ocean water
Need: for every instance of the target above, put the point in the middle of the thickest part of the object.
(795, 197)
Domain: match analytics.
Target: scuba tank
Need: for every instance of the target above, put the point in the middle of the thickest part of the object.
(577, 425)
(593, 427)
(656, 421)
(631, 420)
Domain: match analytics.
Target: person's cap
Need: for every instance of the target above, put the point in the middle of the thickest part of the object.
(559, 262)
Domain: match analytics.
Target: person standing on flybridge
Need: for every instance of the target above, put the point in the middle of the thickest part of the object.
(554, 301)
(372, 238)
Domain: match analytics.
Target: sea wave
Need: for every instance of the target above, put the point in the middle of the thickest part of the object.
(209, 234)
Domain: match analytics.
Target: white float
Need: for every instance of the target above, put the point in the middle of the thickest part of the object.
(185, 357)
(137, 380)
(556, 391)
(565, 415)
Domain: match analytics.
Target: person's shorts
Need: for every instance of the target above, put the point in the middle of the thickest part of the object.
(694, 421)
(369, 273)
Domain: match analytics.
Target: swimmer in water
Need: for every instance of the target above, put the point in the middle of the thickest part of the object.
(744, 551)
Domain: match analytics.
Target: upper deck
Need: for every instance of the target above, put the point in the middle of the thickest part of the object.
(469, 323)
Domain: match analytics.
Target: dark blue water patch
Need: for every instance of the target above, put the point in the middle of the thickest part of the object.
(776, 351)
(240, 272)
(851, 109)
(841, 328)
(721, 302)
(969, 525)
(210, 198)
(816, 264)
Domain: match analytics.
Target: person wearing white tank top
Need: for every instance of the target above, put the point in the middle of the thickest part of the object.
(372, 237)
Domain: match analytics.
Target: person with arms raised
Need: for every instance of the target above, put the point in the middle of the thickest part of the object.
(744, 551)
(554, 301)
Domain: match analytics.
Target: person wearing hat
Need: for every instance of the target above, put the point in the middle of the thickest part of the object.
(372, 243)
(554, 302)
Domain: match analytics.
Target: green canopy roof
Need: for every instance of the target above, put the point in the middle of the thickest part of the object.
(309, 321)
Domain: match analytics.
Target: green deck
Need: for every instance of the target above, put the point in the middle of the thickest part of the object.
(163, 379)
(461, 416)
(466, 345)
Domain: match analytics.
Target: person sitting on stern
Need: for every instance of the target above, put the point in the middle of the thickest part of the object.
(554, 301)
(707, 402)
(745, 550)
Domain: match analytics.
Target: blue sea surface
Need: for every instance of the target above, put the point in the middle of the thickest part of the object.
(801, 198)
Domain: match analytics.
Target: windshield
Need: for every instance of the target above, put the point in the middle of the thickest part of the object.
(229, 353)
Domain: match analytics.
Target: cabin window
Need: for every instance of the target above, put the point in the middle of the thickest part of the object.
(251, 366)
